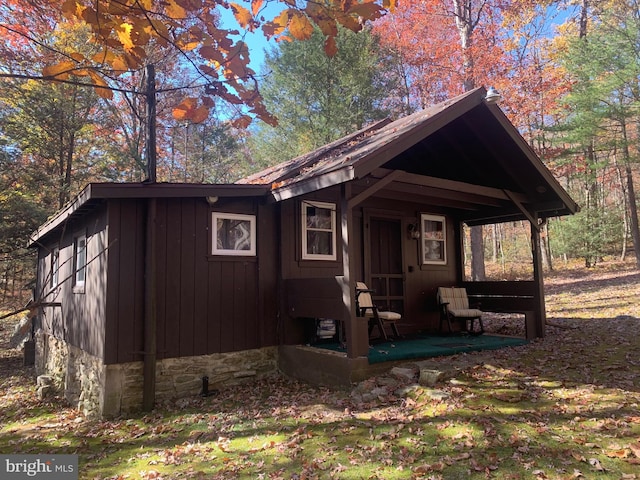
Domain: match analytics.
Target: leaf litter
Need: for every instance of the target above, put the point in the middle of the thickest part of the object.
(563, 407)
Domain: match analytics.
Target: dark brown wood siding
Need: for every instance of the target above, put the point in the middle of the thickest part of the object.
(125, 281)
(80, 318)
(420, 281)
(205, 303)
(295, 269)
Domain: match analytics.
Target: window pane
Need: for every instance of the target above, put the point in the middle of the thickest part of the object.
(81, 259)
(318, 231)
(318, 218)
(319, 243)
(433, 250)
(234, 234)
(55, 266)
(433, 239)
(433, 229)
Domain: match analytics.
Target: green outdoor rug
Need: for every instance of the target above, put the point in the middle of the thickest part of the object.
(431, 346)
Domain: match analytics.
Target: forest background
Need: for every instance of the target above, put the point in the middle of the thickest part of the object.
(74, 98)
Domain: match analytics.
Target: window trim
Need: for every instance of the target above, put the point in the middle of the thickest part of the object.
(319, 256)
(215, 216)
(79, 282)
(426, 236)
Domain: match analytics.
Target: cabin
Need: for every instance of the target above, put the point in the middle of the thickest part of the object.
(151, 291)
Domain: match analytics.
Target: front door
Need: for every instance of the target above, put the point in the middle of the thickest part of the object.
(384, 271)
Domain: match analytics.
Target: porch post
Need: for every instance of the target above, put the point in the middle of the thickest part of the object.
(540, 314)
(357, 335)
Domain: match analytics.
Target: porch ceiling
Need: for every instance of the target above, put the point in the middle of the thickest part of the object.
(473, 165)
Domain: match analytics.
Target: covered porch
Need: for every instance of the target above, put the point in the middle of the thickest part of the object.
(387, 207)
(328, 363)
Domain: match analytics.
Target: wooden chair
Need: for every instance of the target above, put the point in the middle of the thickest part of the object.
(454, 305)
(377, 318)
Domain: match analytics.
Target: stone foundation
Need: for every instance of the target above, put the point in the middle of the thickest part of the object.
(74, 373)
(111, 390)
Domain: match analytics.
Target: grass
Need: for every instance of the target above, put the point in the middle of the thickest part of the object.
(564, 407)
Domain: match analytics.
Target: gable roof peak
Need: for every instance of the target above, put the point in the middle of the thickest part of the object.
(335, 154)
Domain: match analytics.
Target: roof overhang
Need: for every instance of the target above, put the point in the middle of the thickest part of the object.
(463, 154)
(96, 193)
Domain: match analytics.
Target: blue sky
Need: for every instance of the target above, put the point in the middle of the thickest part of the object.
(258, 43)
(256, 40)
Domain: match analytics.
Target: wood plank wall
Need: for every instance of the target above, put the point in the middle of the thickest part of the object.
(80, 318)
(205, 304)
(421, 281)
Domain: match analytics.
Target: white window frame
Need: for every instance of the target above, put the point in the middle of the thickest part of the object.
(55, 267)
(428, 236)
(215, 216)
(306, 229)
(79, 262)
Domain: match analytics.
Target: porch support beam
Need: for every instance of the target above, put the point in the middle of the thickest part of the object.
(463, 187)
(379, 185)
(357, 334)
(470, 199)
(427, 199)
(540, 313)
(525, 212)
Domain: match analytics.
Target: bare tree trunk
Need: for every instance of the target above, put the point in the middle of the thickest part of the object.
(5, 289)
(626, 229)
(589, 152)
(501, 248)
(633, 214)
(633, 207)
(466, 21)
(66, 191)
(477, 254)
(61, 164)
(584, 16)
(494, 243)
(545, 249)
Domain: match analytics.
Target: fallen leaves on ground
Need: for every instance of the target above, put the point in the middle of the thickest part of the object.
(564, 407)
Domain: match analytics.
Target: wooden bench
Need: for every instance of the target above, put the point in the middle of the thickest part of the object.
(509, 297)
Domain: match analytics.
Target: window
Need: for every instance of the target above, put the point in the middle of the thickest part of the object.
(318, 231)
(433, 238)
(80, 261)
(234, 234)
(55, 267)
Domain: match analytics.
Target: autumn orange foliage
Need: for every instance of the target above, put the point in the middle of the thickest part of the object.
(125, 28)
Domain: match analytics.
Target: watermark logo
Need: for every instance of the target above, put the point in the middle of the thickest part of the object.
(39, 467)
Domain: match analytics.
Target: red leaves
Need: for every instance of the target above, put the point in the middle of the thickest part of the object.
(330, 46)
(243, 16)
(191, 111)
(299, 25)
(60, 70)
(256, 5)
(126, 29)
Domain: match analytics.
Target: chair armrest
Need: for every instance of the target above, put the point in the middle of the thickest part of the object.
(359, 291)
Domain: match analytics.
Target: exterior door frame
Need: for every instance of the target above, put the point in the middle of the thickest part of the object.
(368, 214)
